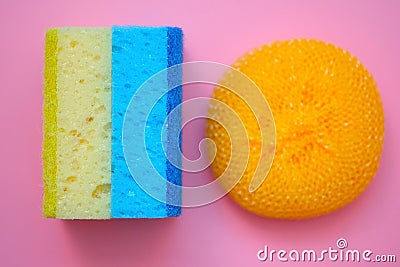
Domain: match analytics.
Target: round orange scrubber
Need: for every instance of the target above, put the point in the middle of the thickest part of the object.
(329, 129)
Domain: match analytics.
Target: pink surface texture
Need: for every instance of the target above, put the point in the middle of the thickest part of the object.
(220, 234)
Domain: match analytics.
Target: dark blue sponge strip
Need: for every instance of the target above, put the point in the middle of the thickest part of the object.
(174, 174)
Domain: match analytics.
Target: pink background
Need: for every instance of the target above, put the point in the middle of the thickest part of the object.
(220, 234)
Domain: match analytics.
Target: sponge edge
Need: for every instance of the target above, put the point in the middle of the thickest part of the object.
(174, 174)
(139, 53)
(50, 125)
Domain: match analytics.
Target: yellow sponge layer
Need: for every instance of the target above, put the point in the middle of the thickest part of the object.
(329, 129)
(50, 125)
(82, 127)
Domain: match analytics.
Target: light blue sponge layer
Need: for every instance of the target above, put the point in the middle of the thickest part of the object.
(137, 54)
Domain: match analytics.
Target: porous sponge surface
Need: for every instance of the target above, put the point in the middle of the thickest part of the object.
(50, 125)
(137, 54)
(84, 123)
(174, 174)
(329, 129)
(77, 112)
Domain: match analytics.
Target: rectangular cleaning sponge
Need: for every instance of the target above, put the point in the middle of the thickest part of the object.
(91, 75)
